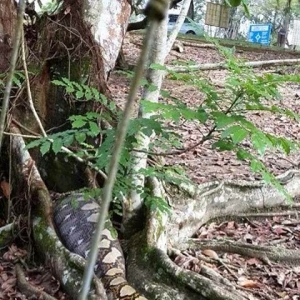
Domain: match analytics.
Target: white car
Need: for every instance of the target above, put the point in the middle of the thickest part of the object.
(187, 27)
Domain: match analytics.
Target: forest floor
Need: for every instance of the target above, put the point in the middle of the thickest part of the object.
(203, 163)
(265, 281)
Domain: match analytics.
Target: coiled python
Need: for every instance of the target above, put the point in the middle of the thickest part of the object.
(75, 219)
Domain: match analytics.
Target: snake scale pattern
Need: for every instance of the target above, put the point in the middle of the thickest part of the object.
(75, 218)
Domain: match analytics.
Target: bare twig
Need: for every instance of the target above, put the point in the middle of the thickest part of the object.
(183, 12)
(27, 136)
(222, 65)
(25, 128)
(204, 138)
(9, 200)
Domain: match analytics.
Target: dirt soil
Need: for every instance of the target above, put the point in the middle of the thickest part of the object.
(37, 276)
(262, 279)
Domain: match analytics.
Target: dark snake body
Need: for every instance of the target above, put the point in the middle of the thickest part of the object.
(75, 220)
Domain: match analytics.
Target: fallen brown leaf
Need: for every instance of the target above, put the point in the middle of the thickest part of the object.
(210, 253)
(248, 283)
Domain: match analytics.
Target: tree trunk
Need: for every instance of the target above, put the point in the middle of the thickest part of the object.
(8, 19)
(108, 20)
(154, 77)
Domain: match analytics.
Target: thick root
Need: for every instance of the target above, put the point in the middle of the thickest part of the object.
(29, 290)
(265, 253)
(47, 243)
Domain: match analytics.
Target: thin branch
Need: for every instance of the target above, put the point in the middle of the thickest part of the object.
(138, 25)
(9, 200)
(24, 127)
(23, 135)
(204, 138)
(14, 56)
(172, 37)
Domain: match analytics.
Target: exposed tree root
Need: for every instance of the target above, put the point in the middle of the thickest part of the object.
(203, 285)
(271, 214)
(210, 200)
(27, 289)
(278, 254)
(46, 241)
(150, 277)
(196, 205)
(215, 276)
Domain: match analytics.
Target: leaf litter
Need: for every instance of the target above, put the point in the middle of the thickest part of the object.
(264, 281)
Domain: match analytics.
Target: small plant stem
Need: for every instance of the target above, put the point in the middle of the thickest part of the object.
(29, 89)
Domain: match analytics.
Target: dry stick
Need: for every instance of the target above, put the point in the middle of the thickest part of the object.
(9, 201)
(197, 45)
(25, 128)
(173, 35)
(13, 61)
(222, 65)
(113, 165)
(213, 261)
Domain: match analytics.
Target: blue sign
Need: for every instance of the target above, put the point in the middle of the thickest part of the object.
(260, 34)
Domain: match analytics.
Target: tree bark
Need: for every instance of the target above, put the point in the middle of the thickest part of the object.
(193, 206)
(8, 20)
(108, 20)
